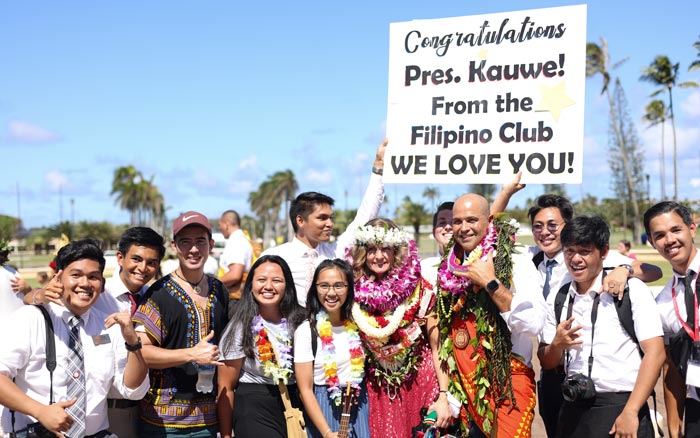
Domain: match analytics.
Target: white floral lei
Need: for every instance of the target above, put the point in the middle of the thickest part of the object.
(369, 235)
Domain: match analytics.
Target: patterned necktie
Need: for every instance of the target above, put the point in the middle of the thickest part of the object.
(548, 276)
(311, 268)
(76, 381)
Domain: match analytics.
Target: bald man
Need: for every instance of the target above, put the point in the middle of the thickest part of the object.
(237, 257)
(505, 310)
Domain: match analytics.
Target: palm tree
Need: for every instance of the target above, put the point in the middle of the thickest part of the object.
(662, 72)
(285, 187)
(598, 62)
(656, 115)
(414, 214)
(485, 190)
(125, 186)
(695, 65)
(432, 193)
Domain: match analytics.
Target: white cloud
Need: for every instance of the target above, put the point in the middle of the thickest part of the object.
(28, 133)
(691, 105)
(56, 180)
(317, 177)
(248, 163)
(203, 180)
(695, 183)
(241, 187)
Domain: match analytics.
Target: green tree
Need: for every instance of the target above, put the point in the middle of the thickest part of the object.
(432, 193)
(626, 160)
(695, 65)
(656, 115)
(663, 73)
(274, 195)
(555, 189)
(598, 62)
(413, 214)
(139, 196)
(9, 226)
(485, 190)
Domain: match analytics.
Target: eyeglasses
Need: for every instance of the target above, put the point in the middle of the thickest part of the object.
(552, 227)
(325, 287)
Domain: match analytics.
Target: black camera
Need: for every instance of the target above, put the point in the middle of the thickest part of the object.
(578, 388)
(34, 430)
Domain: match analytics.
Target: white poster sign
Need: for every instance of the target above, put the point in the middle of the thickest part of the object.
(477, 99)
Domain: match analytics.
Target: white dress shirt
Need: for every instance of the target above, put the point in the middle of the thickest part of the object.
(429, 269)
(528, 309)
(664, 302)
(115, 299)
(237, 251)
(295, 253)
(560, 274)
(23, 357)
(616, 359)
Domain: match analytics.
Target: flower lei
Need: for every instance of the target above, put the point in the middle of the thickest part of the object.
(452, 283)
(492, 377)
(396, 286)
(330, 366)
(368, 235)
(279, 366)
(388, 328)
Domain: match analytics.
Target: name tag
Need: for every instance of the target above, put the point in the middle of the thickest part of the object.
(692, 376)
(101, 339)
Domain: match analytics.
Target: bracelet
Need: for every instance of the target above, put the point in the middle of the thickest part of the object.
(378, 171)
(327, 432)
(135, 347)
(443, 391)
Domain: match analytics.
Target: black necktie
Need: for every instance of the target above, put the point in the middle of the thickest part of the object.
(689, 297)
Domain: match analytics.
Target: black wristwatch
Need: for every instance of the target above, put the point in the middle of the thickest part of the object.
(629, 268)
(492, 286)
(136, 347)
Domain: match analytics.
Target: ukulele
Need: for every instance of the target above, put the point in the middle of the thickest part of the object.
(348, 401)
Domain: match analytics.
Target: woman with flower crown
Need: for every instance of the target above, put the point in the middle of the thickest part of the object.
(394, 312)
(256, 351)
(324, 373)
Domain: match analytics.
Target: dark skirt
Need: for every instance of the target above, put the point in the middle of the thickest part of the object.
(258, 410)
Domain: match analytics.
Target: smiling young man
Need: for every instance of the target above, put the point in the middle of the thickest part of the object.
(179, 322)
(108, 347)
(593, 342)
(311, 214)
(671, 232)
(548, 217)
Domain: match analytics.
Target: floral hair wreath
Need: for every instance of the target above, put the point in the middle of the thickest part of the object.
(369, 235)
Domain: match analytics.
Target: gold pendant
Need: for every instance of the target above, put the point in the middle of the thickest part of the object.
(460, 339)
(197, 289)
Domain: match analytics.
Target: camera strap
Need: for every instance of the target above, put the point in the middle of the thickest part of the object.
(594, 318)
(50, 357)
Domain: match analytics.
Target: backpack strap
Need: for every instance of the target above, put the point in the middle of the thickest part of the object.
(538, 258)
(559, 301)
(623, 306)
(314, 340)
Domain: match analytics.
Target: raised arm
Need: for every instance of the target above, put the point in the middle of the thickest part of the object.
(507, 191)
(371, 201)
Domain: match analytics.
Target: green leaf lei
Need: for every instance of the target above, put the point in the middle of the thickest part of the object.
(493, 374)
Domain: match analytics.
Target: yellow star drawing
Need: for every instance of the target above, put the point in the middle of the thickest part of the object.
(554, 99)
(483, 53)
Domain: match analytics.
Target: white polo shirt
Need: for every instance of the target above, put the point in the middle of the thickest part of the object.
(616, 359)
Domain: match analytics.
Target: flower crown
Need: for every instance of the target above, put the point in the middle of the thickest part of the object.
(369, 235)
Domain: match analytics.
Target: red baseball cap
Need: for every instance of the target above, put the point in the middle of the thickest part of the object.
(190, 218)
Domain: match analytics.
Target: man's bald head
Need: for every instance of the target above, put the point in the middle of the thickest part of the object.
(229, 222)
(470, 220)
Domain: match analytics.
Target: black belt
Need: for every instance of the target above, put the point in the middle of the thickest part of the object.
(120, 403)
(558, 370)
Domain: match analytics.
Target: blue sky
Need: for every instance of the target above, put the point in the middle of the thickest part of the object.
(211, 97)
